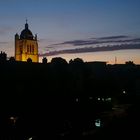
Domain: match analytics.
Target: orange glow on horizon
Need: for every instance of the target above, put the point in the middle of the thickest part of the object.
(108, 56)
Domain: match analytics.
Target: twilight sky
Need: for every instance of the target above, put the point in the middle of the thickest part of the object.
(89, 29)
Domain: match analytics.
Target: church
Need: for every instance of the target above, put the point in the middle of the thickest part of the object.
(26, 46)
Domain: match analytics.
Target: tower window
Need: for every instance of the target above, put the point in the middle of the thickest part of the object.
(33, 49)
(30, 49)
(27, 48)
(20, 49)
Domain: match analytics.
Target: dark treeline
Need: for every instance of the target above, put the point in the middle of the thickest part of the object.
(57, 98)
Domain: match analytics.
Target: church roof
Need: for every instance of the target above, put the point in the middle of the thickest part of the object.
(26, 33)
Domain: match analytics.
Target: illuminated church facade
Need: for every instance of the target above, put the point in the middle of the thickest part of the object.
(26, 46)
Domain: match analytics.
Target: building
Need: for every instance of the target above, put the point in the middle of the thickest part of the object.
(3, 56)
(26, 46)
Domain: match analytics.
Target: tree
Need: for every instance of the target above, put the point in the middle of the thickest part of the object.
(76, 61)
(44, 60)
(29, 60)
(58, 60)
(12, 59)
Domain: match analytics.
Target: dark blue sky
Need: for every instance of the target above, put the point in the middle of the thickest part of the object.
(62, 20)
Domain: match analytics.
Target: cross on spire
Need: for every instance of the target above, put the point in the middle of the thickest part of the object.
(26, 25)
(26, 20)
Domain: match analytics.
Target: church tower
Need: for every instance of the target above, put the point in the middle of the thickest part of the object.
(26, 46)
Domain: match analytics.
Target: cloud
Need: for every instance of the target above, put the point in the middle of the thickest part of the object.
(114, 37)
(96, 49)
(102, 40)
(110, 43)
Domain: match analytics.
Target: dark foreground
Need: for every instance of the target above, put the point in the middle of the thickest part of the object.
(66, 101)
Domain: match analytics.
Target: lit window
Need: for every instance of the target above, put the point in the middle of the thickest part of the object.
(77, 100)
(124, 92)
(13, 119)
(98, 123)
(108, 99)
(30, 138)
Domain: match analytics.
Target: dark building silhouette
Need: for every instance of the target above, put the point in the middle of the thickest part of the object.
(68, 100)
(3, 56)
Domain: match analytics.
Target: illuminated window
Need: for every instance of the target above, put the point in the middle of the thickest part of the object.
(98, 123)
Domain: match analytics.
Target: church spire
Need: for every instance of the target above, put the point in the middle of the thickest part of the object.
(26, 25)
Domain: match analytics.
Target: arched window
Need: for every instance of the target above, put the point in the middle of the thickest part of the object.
(27, 48)
(30, 49)
(33, 49)
(20, 49)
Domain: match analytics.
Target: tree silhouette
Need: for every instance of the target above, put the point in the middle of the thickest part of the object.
(12, 59)
(76, 61)
(29, 60)
(58, 61)
(44, 60)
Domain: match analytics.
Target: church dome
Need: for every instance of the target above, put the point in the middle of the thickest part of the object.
(26, 33)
